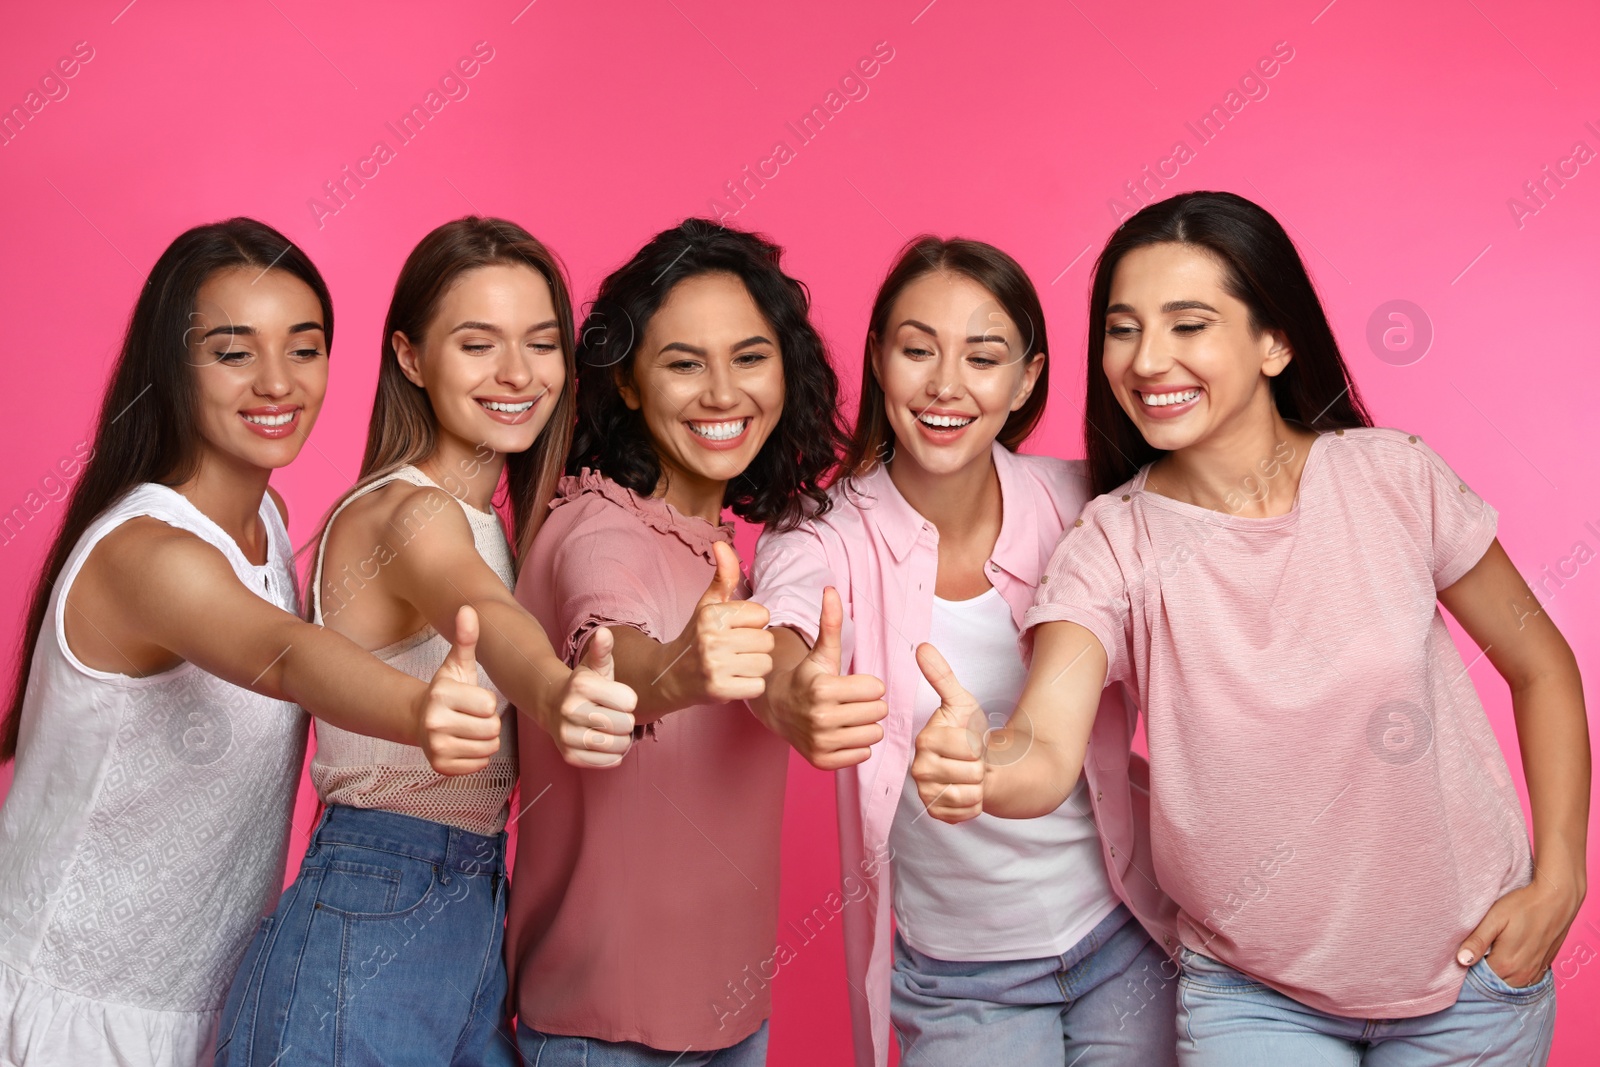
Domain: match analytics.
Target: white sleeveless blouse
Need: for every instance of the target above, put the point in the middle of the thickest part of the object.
(369, 772)
(144, 834)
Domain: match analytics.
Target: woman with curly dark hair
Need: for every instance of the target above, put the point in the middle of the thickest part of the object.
(644, 912)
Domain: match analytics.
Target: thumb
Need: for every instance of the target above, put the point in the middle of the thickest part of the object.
(597, 654)
(955, 703)
(1478, 942)
(726, 581)
(463, 655)
(825, 652)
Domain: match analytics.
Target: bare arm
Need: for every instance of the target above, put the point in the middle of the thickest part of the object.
(1030, 766)
(1495, 607)
(438, 570)
(161, 593)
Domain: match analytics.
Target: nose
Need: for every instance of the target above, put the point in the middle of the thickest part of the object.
(1150, 359)
(515, 368)
(274, 377)
(945, 381)
(720, 392)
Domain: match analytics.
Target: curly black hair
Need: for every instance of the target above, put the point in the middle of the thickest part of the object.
(783, 486)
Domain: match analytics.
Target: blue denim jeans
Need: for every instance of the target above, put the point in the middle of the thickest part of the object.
(1109, 999)
(1228, 1019)
(386, 950)
(557, 1050)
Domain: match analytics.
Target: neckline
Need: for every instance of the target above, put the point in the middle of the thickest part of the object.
(970, 602)
(471, 509)
(697, 533)
(1223, 518)
(261, 512)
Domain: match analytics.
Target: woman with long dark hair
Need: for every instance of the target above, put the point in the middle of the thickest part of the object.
(395, 925)
(1034, 944)
(153, 717)
(645, 895)
(1329, 806)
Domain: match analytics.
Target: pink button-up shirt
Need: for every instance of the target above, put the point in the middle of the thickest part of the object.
(883, 556)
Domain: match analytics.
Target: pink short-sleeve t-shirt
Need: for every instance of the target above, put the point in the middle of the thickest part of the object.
(644, 905)
(1329, 805)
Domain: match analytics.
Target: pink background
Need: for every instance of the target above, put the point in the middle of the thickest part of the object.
(1390, 145)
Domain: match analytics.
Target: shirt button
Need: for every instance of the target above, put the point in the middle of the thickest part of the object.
(1169, 939)
(1462, 488)
(1099, 795)
(1113, 850)
(1044, 579)
(1127, 496)
(1079, 522)
(1338, 433)
(1412, 438)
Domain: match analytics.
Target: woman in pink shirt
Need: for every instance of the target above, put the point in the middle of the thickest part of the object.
(1026, 943)
(1331, 810)
(644, 911)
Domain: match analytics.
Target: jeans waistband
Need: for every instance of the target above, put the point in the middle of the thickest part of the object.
(405, 835)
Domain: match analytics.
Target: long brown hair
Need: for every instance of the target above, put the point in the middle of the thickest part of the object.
(148, 429)
(1262, 269)
(872, 441)
(403, 429)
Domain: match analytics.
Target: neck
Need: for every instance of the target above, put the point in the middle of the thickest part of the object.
(1249, 467)
(468, 472)
(229, 492)
(692, 494)
(962, 504)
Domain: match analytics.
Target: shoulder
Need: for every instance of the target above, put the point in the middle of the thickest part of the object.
(1383, 454)
(1064, 481)
(277, 502)
(144, 555)
(402, 513)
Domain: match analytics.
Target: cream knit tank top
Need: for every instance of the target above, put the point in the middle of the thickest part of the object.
(368, 772)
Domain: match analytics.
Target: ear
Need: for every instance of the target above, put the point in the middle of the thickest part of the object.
(875, 359)
(626, 387)
(408, 358)
(1276, 354)
(1030, 378)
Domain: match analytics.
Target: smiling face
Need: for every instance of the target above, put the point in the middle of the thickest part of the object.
(491, 359)
(257, 344)
(707, 375)
(951, 368)
(1180, 352)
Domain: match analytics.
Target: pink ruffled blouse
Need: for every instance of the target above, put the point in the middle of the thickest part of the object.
(645, 899)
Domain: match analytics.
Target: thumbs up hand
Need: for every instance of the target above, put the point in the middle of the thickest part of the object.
(593, 721)
(949, 763)
(457, 722)
(832, 721)
(724, 652)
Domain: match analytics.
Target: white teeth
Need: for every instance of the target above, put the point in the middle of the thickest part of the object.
(271, 420)
(719, 431)
(495, 405)
(1161, 400)
(946, 422)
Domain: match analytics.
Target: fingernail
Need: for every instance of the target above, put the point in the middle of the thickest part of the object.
(1464, 957)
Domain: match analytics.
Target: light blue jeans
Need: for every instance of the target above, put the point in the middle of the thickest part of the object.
(1109, 999)
(1228, 1019)
(556, 1050)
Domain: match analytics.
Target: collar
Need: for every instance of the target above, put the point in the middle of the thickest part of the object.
(1016, 550)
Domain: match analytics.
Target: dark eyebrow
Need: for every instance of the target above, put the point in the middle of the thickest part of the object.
(303, 327)
(232, 331)
(680, 346)
(1169, 306)
(748, 341)
(488, 326)
(978, 339)
(924, 327)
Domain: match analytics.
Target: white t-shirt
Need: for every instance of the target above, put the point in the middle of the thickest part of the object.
(992, 888)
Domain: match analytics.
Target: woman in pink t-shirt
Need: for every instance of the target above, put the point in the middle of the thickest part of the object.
(1330, 808)
(644, 911)
(1034, 943)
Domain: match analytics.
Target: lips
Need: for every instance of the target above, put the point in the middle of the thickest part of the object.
(272, 421)
(511, 410)
(1168, 402)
